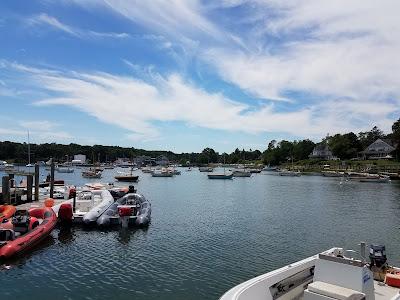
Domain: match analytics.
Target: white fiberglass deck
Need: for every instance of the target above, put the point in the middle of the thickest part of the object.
(327, 275)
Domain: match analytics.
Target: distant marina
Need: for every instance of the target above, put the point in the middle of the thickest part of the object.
(180, 207)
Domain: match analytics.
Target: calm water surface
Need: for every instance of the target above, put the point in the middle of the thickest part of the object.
(206, 236)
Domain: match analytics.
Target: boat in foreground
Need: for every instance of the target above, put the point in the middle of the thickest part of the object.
(25, 230)
(325, 276)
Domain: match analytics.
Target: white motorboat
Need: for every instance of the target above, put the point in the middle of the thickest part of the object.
(332, 174)
(325, 276)
(91, 174)
(375, 178)
(89, 205)
(65, 170)
(173, 171)
(241, 173)
(162, 173)
(147, 170)
(206, 169)
(289, 173)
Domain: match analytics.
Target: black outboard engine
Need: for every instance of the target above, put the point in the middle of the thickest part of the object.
(21, 221)
(377, 255)
(131, 189)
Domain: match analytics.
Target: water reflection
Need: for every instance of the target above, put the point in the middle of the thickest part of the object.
(66, 235)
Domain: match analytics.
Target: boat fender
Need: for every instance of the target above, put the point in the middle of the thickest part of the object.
(393, 278)
(49, 202)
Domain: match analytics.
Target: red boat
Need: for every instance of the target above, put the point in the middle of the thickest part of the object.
(6, 212)
(25, 230)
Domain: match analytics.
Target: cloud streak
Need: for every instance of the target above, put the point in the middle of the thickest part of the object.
(46, 20)
(136, 106)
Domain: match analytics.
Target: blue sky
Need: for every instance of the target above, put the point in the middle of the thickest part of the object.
(185, 75)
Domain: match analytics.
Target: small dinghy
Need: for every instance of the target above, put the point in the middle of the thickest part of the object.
(89, 205)
(6, 211)
(25, 230)
(133, 205)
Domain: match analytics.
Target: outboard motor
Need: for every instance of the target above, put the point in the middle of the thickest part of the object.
(21, 221)
(65, 213)
(124, 211)
(377, 255)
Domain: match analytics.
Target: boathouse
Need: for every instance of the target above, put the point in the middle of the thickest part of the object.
(380, 149)
(322, 151)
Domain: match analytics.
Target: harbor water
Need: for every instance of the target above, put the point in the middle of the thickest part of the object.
(206, 236)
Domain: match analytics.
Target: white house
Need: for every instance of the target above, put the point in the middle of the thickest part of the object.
(79, 159)
(380, 149)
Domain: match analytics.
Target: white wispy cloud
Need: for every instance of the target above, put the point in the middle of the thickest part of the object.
(134, 105)
(40, 131)
(46, 20)
(340, 49)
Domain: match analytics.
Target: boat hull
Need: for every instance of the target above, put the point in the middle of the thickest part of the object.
(25, 242)
(141, 218)
(127, 178)
(219, 176)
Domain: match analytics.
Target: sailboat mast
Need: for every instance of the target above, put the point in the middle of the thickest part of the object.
(29, 150)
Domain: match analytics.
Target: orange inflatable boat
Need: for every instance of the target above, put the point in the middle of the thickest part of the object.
(6, 212)
(25, 230)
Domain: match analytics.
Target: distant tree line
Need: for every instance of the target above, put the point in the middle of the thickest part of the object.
(18, 153)
(343, 146)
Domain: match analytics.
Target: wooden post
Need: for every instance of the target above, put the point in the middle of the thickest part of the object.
(5, 189)
(74, 202)
(11, 182)
(52, 179)
(29, 185)
(37, 182)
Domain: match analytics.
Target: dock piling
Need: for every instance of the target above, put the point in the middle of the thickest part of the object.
(36, 182)
(29, 186)
(52, 179)
(5, 189)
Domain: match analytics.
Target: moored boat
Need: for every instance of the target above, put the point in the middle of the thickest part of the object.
(241, 173)
(91, 174)
(89, 205)
(162, 173)
(269, 168)
(289, 173)
(127, 177)
(375, 178)
(65, 170)
(220, 176)
(137, 206)
(25, 230)
(206, 169)
(325, 276)
(332, 174)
